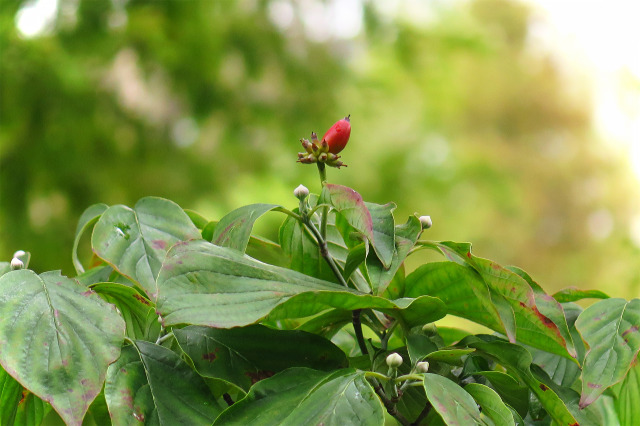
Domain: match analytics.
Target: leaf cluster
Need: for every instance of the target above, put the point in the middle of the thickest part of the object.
(183, 320)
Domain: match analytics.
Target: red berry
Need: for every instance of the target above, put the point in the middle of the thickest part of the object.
(338, 135)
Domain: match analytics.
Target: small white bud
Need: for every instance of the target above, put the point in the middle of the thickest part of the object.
(422, 366)
(394, 360)
(16, 264)
(426, 222)
(301, 192)
(19, 253)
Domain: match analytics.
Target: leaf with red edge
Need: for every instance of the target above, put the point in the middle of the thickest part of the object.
(610, 329)
(57, 339)
(512, 295)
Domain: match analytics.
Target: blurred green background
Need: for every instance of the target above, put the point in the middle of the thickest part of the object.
(456, 113)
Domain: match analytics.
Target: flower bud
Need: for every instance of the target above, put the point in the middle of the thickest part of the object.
(19, 253)
(322, 157)
(422, 367)
(338, 135)
(301, 192)
(426, 222)
(394, 360)
(16, 264)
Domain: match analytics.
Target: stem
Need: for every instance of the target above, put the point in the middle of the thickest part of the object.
(227, 398)
(375, 375)
(163, 338)
(322, 170)
(409, 377)
(390, 406)
(387, 335)
(324, 251)
(357, 327)
(425, 411)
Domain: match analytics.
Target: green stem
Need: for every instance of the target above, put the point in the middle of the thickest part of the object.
(322, 170)
(409, 377)
(376, 375)
(163, 338)
(390, 406)
(324, 251)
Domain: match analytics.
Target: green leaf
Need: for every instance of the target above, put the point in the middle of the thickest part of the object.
(514, 299)
(301, 248)
(328, 323)
(198, 220)
(88, 218)
(31, 410)
(459, 288)
(357, 255)
(560, 369)
(204, 284)
(491, 404)
(627, 402)
(350, 204)
(57, 339)
(406, 236)
(380, 232)
(551, 309)
(10, 395)
(234, 229)
(98, 274)
(510, 390)
(609, 328)
(419, 346)
(138, 312)
(573, 294)
(135, 241)
(589, 416)
(301, 396)
(246, 355)
(4, 268)
(266, 251)
(455, 406)
(517, 362)
(449, 356)
(384, 236)
(150, 384)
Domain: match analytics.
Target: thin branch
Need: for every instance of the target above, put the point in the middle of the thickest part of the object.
(423, 414)
(390, 406)
(357, 327)
(324, 251)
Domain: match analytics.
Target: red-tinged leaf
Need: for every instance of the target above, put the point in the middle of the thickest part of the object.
(57, 339)
(512, 294)
(234, 229)
(610, 329)
(135, 241)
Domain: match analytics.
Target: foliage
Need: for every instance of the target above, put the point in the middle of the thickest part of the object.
(170, 320)
(461, 112)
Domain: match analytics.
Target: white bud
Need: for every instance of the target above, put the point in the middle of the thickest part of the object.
(422, 366)
(301, 192)
(394, 360)
(425, 221)
(19, 253)
(16, 264)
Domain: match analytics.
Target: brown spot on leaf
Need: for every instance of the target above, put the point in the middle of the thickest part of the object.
(469, 254)
(141, 299)
(159, 244)
(594, 385)
(258, 375)
(632, 329)
(139, 417)
(87, 293)
(211, 356)
(543, 387)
